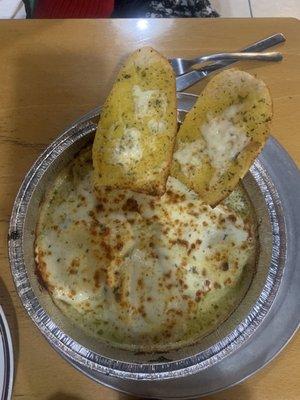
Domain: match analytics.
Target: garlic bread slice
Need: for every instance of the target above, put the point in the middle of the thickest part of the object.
(222, 134)
(135, 138)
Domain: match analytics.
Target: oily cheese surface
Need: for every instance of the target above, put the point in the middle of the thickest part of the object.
(222, 134)
(142, 272)
(135, 137)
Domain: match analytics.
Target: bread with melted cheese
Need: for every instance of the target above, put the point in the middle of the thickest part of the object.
(135, 138)
(222, 134)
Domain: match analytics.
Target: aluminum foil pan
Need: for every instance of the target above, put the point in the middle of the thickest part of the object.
(116, 367)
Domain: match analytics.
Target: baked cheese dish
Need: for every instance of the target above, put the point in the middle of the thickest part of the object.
(144, 245)
(142, 272)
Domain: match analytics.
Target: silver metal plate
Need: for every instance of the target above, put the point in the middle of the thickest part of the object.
(6, 359)
(223, 357)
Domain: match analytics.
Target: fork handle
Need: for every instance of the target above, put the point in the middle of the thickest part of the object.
(271, 56)
(192, 77)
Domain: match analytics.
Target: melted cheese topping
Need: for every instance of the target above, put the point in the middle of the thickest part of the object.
(137, 271)
(190, 155)
(224, 140)
(148, 102)
(156, 126)
(128, 149)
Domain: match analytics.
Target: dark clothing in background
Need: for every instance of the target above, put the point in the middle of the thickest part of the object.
(119, 8)
(163, 9)
(73, 8)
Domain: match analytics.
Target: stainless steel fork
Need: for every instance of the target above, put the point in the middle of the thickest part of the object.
(194, 76)
(181, 65)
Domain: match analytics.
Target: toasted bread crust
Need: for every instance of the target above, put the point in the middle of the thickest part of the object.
(135, 138)
(233, 100)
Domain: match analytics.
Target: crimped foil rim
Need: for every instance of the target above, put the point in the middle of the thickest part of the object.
(139, 371)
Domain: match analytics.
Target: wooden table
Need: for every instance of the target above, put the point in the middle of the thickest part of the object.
(51, 72)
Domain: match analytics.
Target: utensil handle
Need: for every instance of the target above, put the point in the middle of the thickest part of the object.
(271, 56)
(190, 78)
(265, 44)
